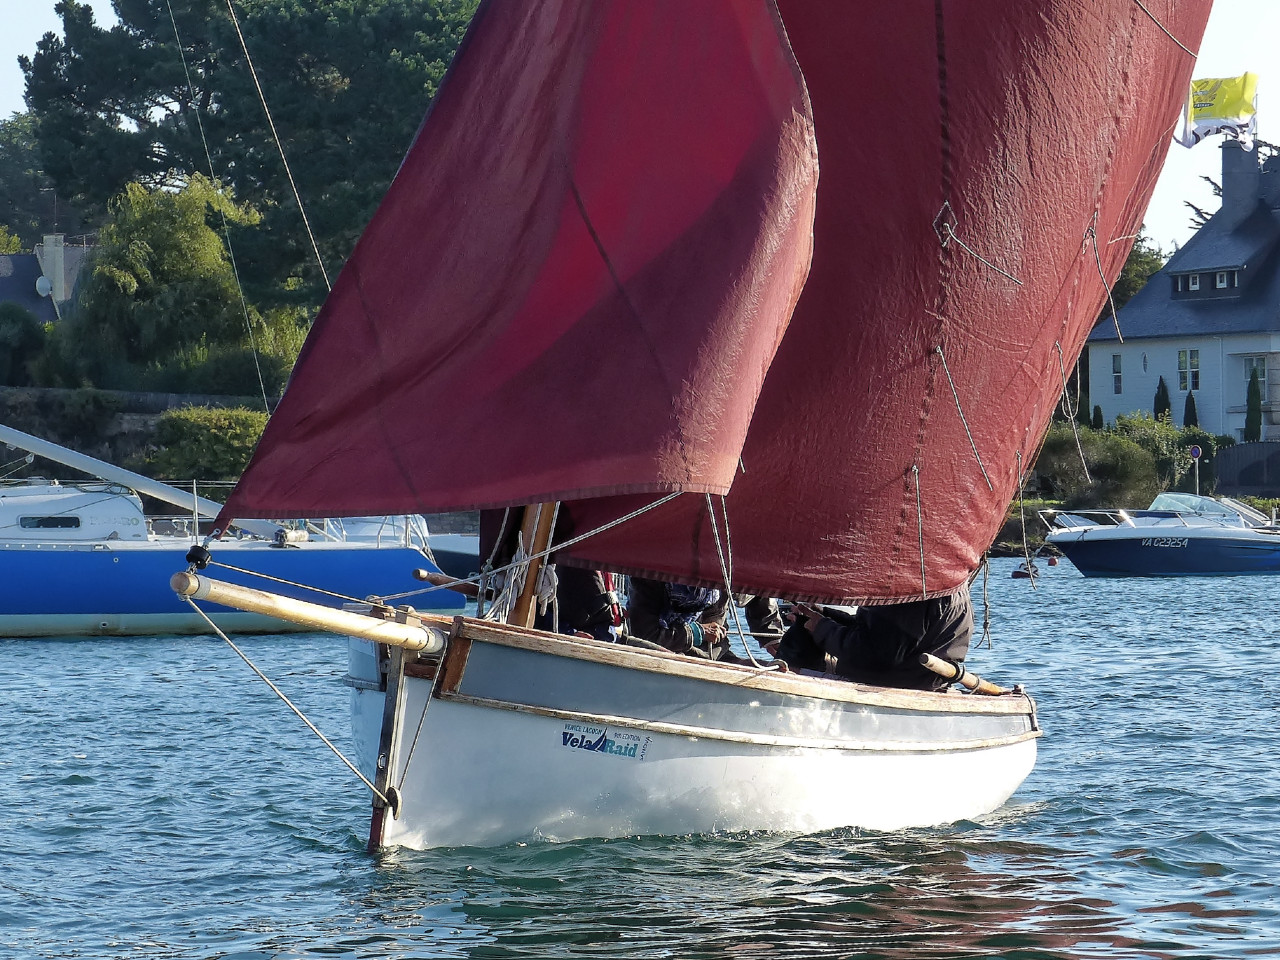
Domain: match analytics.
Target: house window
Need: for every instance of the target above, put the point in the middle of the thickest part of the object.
(1259, 364)
(1193, 281)
(1115, 373)
(1220, 280)
(1188, 370)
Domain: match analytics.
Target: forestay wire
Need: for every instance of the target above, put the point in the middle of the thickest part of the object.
(289, 703)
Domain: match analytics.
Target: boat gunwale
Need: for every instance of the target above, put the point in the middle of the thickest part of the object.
(735, 736)
(670, 663)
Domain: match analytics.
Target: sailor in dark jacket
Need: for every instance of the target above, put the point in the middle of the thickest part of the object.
(681, 618)
(881, 644)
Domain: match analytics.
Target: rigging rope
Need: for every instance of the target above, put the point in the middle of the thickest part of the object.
(17, 465)
(986, 600)
(726, 567)
(946, 233)
(279, 146)
(1071, 414)
(1162, 27)
(924, 589)
(226, 230)
(1022, 518)
(289, 703)
(967, 432)
(1092, 234)
(551, 548)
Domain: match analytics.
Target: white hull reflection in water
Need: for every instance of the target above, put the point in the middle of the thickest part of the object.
(530, 736)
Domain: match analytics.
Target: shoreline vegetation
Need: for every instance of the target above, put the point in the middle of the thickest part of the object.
(209, 438)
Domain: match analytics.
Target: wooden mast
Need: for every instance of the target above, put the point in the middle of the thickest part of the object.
(535, 534)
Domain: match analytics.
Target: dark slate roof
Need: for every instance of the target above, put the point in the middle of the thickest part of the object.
(1215, 247)
(1253, 247)
(18, 275)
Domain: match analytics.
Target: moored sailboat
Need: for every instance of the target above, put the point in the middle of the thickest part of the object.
(635, 297)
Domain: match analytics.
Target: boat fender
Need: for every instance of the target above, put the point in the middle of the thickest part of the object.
(198, 557)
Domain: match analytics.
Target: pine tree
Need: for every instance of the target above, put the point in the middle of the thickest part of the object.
(1189, 417)
(1098, 422)
(1163, 407)
(1253, 413)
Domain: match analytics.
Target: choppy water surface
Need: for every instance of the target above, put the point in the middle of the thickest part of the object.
(157, 801)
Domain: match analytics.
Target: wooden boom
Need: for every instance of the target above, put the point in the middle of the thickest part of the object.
(415, 632)
(958, 674)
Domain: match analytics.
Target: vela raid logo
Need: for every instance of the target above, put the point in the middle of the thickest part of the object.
(577, 736)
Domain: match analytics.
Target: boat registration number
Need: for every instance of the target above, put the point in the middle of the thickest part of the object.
(1164, 541)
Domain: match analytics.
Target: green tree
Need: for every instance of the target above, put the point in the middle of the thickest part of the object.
(1253, 409)
(1097, 423)
(205, 444)
(21, 340)
(1121, 471)
(161, 281)
(1209, 446)
(1189, 417)
(1162, 408)
(29, 205)
(1145, 258)
(9, 242)
(1161, 439)
(347, 84)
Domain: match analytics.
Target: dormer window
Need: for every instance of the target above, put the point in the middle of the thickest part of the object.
(1220, 280)
(1193, 281)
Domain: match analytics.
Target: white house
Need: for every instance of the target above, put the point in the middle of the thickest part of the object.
(1208, 318)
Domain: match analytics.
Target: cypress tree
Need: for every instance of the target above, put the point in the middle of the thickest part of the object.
(1163, 408)
(1189, 418)
(1253, 412)
(1098, 422)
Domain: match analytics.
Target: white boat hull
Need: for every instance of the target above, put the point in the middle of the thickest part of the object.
(474, 764)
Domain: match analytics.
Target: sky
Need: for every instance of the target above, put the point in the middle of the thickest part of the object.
(1241, 35)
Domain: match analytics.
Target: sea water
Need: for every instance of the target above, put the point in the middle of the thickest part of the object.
(157, 800)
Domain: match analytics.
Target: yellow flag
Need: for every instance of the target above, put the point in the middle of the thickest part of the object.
(1226, 105)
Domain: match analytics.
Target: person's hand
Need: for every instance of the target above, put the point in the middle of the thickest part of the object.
(712, 632)
(807, 615)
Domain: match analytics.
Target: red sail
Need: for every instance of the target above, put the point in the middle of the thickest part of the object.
(983, 164)
(578, 279)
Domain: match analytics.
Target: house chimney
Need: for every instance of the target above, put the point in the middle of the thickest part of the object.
(52, 264)
(1241, 182)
